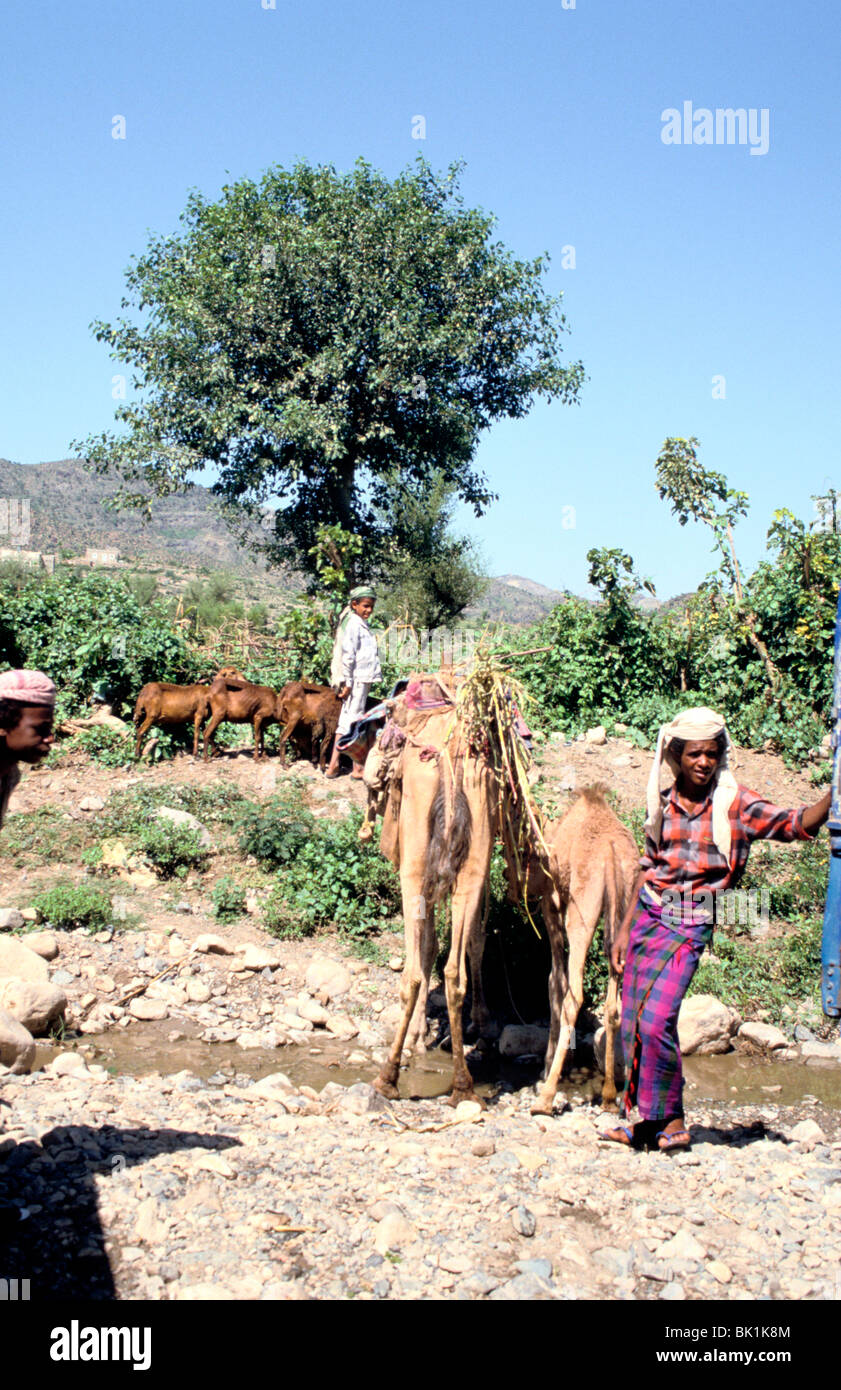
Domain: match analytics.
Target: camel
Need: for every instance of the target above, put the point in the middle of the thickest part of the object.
(167, 705)
(438, 831)
(308, 710)
(591, 871)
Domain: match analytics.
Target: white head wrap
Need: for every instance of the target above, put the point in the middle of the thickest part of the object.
(694, 725)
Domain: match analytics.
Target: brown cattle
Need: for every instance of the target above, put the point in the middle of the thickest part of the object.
(309, 709)
(165, 705)
(234, 699)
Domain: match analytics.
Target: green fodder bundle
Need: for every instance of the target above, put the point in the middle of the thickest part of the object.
(488, 701)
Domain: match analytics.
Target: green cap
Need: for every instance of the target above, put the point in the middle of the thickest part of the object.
(362, 591)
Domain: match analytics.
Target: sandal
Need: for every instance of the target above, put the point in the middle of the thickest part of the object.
(611, 1136)
(678, 1139)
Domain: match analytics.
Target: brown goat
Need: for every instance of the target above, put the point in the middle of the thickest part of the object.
(302, 706)
(165, 705)
(234, 699)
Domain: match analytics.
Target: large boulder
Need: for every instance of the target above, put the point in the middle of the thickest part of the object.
(178, 817)
(34, 1003)
(18, 961)
(326, 976)
(523, 1040)
(11, 919)
(17, 1048)
(43, 943)
(706, 1025)
(763, 1035)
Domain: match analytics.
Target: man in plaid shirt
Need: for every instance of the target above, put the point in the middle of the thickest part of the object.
(698, 837)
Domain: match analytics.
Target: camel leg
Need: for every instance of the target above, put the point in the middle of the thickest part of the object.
(258, 737)
(415, 918)
(144, 727)
(467, 915)
(416, 1036)
(480, 1018)
(197, 723)
(579, 937)
(611, 1026)
(322, 752)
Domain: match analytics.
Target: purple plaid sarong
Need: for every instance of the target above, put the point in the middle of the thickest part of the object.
(659, 967)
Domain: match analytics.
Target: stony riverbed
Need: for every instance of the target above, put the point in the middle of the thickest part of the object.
(240, 1152)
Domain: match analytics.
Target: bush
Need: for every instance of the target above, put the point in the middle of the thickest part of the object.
(277, 831)
(127, 812)
(334, 879)
(69, 905)
(228, 899)
(105, 746)
(172, 849)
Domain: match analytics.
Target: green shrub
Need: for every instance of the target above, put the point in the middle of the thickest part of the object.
(43, 834)
(334, 879)
(228, 899)
(70, 905)
(105, 746)
(276, 832)
(127, 812)
(172, 849)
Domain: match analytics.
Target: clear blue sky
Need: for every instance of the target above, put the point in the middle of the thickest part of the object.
(692, 261)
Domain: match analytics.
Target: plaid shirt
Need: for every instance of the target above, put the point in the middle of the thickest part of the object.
(687, 859)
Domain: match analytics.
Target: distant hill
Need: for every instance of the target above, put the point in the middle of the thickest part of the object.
(68, 512)
(510, 598)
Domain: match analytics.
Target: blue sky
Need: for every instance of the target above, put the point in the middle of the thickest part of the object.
(691, 261)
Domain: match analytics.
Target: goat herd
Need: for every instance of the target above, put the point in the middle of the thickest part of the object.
(308, 714)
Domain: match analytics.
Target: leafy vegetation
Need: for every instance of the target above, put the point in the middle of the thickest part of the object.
(70, 905)
(228, 899)
(172, 849)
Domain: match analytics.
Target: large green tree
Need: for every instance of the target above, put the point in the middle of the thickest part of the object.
(308, 336)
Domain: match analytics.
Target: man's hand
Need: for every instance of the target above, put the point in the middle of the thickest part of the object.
(620, 950)
(343, 692)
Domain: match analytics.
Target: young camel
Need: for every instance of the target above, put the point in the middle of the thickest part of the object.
(592, 868)
(440, 838)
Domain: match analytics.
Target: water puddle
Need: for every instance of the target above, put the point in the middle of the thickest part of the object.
(146, 1050)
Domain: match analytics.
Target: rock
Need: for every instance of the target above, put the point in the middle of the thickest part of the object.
(207, 944)
(43, 943)
(314, 1013)
(673, 1293)
(341, 1026)
(91, 803)
(11, 919)
(597, 735)
(62, 977)
(327, 977)
(617, 1262)
(623, 760)
(67, 1064)
(359, 1099)
(18, 961)
(802, 1033)
(524, 1221)
(522, 1040)
(198, 992)
(719, 1271)
(393, 1232)
(829, 1050)
(149, 1010)
(682, 1246)
(763, 1035)
(34, 1003)
(258, 958)
(523, 1288)
(706, 1025)
(483, 1147)
(17, 1046)
(171, 813)
(808, 1133)
(599, 1046)
(396, 964)
(468, 1110)
(620, 728)
(31, 915)
(277, 1086)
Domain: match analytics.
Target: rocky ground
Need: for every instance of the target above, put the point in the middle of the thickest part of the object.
(206, 1127)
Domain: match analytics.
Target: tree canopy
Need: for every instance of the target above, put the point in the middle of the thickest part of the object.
(311, 336)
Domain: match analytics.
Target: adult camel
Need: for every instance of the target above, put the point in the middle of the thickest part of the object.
(438, 831)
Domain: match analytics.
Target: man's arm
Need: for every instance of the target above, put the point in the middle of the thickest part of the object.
(816, 815)
(620, 945)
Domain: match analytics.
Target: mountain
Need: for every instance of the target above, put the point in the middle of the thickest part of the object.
(512, 599)
(68, 512)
